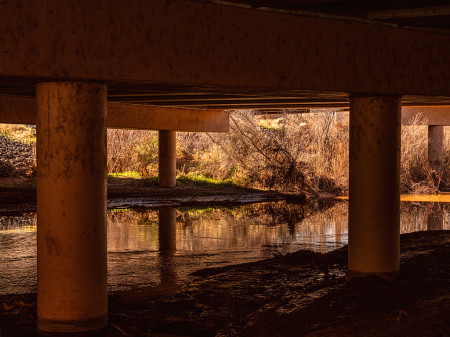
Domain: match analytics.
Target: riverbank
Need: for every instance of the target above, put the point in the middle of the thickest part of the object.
(299, 294)
(20, 195)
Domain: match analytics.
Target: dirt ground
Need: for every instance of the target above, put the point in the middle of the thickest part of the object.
(299, 294)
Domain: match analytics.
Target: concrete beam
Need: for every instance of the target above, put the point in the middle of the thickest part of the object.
(127, 116)
(429, 115)
(187, 43)
(22, 110)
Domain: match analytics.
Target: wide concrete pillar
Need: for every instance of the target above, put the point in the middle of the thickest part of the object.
(435, 147)
(167, 142)
(71, 208)
(374, 203)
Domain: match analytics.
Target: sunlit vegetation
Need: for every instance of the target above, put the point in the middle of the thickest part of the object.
(288, 152)
(201, 180)
(18, 132)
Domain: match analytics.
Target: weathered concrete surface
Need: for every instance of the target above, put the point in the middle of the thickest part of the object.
(374, 187)
(71, 207)
(22, 110)
(431, 115)
(17, 110)
(436, 147)
(191, 43)
(167, 151)
(128, 116)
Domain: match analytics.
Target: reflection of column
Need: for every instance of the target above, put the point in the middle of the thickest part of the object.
(338, 233)
(436, 218)
(71, 207)
(167, 172)
(374, 184)
(167, 244)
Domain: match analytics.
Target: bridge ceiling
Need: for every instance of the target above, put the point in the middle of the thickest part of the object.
(264, 67)
(425, 14)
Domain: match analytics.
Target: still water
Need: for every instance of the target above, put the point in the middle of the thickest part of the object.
(154, 246)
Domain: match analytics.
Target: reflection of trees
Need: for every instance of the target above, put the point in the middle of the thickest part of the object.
(320, 226)
(18, 221)
(132, 230)
(423, 216)
(268, 224)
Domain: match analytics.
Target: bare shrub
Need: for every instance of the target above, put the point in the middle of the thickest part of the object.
(121, 146)
(145, 156)
(293, 151)
(415, 174)
(326, 139)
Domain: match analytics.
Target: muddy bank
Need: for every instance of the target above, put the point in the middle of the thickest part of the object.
(139, 194)
(299, 294)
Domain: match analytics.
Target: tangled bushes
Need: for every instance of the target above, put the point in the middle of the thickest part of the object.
(288, 151)
(298, 151)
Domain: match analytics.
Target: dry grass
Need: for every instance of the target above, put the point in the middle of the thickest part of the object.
(292, 151)
(416, 176)
(122, 144)
(19, 132)
(286, 152)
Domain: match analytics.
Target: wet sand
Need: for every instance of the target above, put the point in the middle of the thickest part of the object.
(299, 294)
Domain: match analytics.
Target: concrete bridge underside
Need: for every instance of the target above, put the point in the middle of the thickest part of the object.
(74, 59)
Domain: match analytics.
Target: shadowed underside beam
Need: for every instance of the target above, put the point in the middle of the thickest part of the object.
(20, 110)
(215, 46)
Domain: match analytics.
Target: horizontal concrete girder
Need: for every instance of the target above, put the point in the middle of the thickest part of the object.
(190, 43)
(22, 110)
(426, 115)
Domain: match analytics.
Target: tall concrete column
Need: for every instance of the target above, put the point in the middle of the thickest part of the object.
(374, 205)
(435, 147)
(71, 207)
(167, 142)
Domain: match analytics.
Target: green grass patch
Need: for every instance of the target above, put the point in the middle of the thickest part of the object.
(19, 133)
(19, 184)
(195, 211)
(127, 174)
(201, 180)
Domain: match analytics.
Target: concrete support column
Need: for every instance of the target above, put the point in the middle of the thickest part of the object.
(435, 147)
(167, 141)
(374, 206)
(71, 208)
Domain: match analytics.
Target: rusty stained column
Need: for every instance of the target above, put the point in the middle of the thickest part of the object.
(167, 142)
(435, 147)
(71, 207)
(374, 204)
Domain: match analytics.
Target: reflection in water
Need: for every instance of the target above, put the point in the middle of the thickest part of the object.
(167, 244)
(436, 218)
(153, 247)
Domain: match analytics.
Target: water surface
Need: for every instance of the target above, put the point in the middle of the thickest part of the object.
(150, 247)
